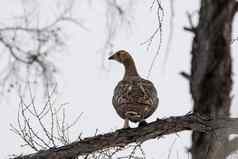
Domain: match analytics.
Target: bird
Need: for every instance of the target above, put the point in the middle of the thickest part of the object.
(134, 98)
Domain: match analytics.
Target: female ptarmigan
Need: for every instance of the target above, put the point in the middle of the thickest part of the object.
(135, 98)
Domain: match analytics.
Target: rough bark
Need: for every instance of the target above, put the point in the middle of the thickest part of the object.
(124, 137)
(211, 73)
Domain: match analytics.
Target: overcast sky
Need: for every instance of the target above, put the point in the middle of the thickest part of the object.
(88, 87)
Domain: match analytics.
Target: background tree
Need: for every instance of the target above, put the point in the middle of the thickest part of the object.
(211, 73)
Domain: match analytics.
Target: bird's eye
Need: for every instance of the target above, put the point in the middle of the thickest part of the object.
(120, 57)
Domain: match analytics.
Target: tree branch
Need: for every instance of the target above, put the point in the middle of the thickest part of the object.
(185, 75)
(123, 137)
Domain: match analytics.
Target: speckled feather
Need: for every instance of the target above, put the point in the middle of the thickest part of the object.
(135, 95)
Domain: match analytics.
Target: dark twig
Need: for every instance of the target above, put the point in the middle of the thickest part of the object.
(185, 75)
(32, 55)
(158, 31)
(192, 27)
(34, 126)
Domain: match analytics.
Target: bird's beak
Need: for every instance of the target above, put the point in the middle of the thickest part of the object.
(111, 57)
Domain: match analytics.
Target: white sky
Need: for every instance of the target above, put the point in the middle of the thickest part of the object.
(88, 88)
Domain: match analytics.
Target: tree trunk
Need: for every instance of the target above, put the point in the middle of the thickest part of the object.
(211, 71)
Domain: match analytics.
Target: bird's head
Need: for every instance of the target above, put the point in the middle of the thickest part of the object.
(121, 56)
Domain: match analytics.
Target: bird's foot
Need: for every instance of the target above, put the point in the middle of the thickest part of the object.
(142, 123)
(126, 124)
(121, 145)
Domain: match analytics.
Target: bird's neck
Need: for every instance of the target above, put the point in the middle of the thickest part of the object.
(130, 69)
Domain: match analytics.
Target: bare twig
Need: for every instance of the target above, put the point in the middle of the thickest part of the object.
(117, 15)
(185, 75)
(158, 31)
(34, 126)
(171, 147)
(192, 27)
(30, 59)
(171, 31)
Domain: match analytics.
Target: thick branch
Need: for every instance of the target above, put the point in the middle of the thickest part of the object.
(211, 73)
(124, 137)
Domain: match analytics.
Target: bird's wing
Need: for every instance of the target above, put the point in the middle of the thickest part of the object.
(120, 93)
(135, 91)
(149, 92)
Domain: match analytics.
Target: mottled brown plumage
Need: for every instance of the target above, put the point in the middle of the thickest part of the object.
(135, 98)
